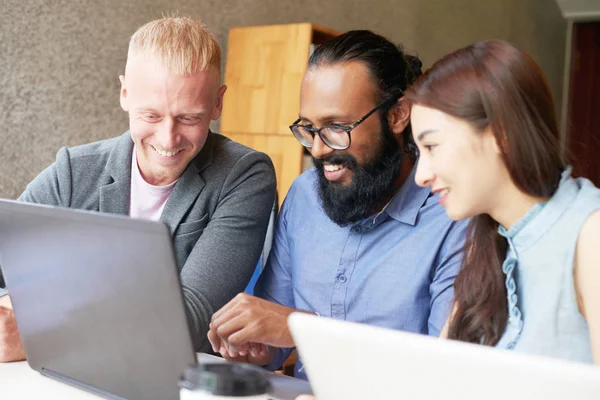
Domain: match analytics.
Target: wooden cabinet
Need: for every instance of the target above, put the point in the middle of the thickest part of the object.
(263, 72)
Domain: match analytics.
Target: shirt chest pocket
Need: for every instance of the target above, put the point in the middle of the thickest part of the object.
(186, 237)
(192, 227)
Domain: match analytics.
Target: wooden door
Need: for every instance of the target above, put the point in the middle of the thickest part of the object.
(264, 70)
(583, 121)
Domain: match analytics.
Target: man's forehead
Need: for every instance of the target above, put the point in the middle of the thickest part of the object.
(149, 66)
(339, 76)
(336, 90)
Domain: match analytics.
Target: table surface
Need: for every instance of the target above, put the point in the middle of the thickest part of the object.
(19, 381)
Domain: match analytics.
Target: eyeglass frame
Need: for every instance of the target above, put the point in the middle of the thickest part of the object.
(346, 128)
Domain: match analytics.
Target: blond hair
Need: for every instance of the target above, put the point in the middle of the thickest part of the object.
(184, 46)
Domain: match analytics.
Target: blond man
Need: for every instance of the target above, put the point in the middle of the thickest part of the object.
(214, 194)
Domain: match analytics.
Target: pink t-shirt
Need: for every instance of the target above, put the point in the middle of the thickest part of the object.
(147, 201)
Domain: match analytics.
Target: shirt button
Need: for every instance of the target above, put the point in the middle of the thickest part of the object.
(342, 278)
(356, 229)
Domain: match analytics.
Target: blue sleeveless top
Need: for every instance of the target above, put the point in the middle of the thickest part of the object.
(544, 315)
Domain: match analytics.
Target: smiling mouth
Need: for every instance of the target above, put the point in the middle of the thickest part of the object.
(443, 193)
(166, 153)
(332, 167)
(334, 172)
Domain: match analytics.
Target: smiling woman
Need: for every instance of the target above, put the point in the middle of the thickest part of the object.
(489, 143)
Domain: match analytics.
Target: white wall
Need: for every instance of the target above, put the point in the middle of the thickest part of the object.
(580, 9)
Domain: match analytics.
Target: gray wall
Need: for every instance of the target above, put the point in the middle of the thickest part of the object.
(60, 60)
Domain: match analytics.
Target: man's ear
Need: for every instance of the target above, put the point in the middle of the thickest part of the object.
(219, 105)
(399, 117)
(123, 96)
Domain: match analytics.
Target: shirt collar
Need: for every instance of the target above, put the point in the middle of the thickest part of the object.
(408, 200)
(541, 217)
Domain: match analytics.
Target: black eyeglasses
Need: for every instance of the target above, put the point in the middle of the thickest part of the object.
(334, 136)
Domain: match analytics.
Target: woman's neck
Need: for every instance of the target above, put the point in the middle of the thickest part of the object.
(513, 206)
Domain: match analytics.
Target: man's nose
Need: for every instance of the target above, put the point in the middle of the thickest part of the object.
(319, 149)
(167, 136)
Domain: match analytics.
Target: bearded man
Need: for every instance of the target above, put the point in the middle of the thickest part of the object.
(356, 238)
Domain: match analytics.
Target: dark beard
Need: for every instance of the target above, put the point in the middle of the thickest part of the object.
(371, 186)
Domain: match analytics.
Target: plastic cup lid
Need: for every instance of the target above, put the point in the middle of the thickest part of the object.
(226, 379)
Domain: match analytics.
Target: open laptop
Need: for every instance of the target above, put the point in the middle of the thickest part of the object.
(97, 299)
(98, 302)
(349, 361)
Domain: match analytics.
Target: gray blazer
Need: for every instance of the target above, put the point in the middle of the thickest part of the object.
(217, 213)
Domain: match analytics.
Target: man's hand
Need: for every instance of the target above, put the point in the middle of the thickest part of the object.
(246, 324)
(11, 347)
(252, 353)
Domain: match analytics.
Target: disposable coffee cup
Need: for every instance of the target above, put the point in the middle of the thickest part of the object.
(221, 381)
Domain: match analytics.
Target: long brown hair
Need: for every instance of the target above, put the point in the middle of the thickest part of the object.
(494, 84)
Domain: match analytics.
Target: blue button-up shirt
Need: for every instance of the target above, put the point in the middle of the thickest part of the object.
(395, 269)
